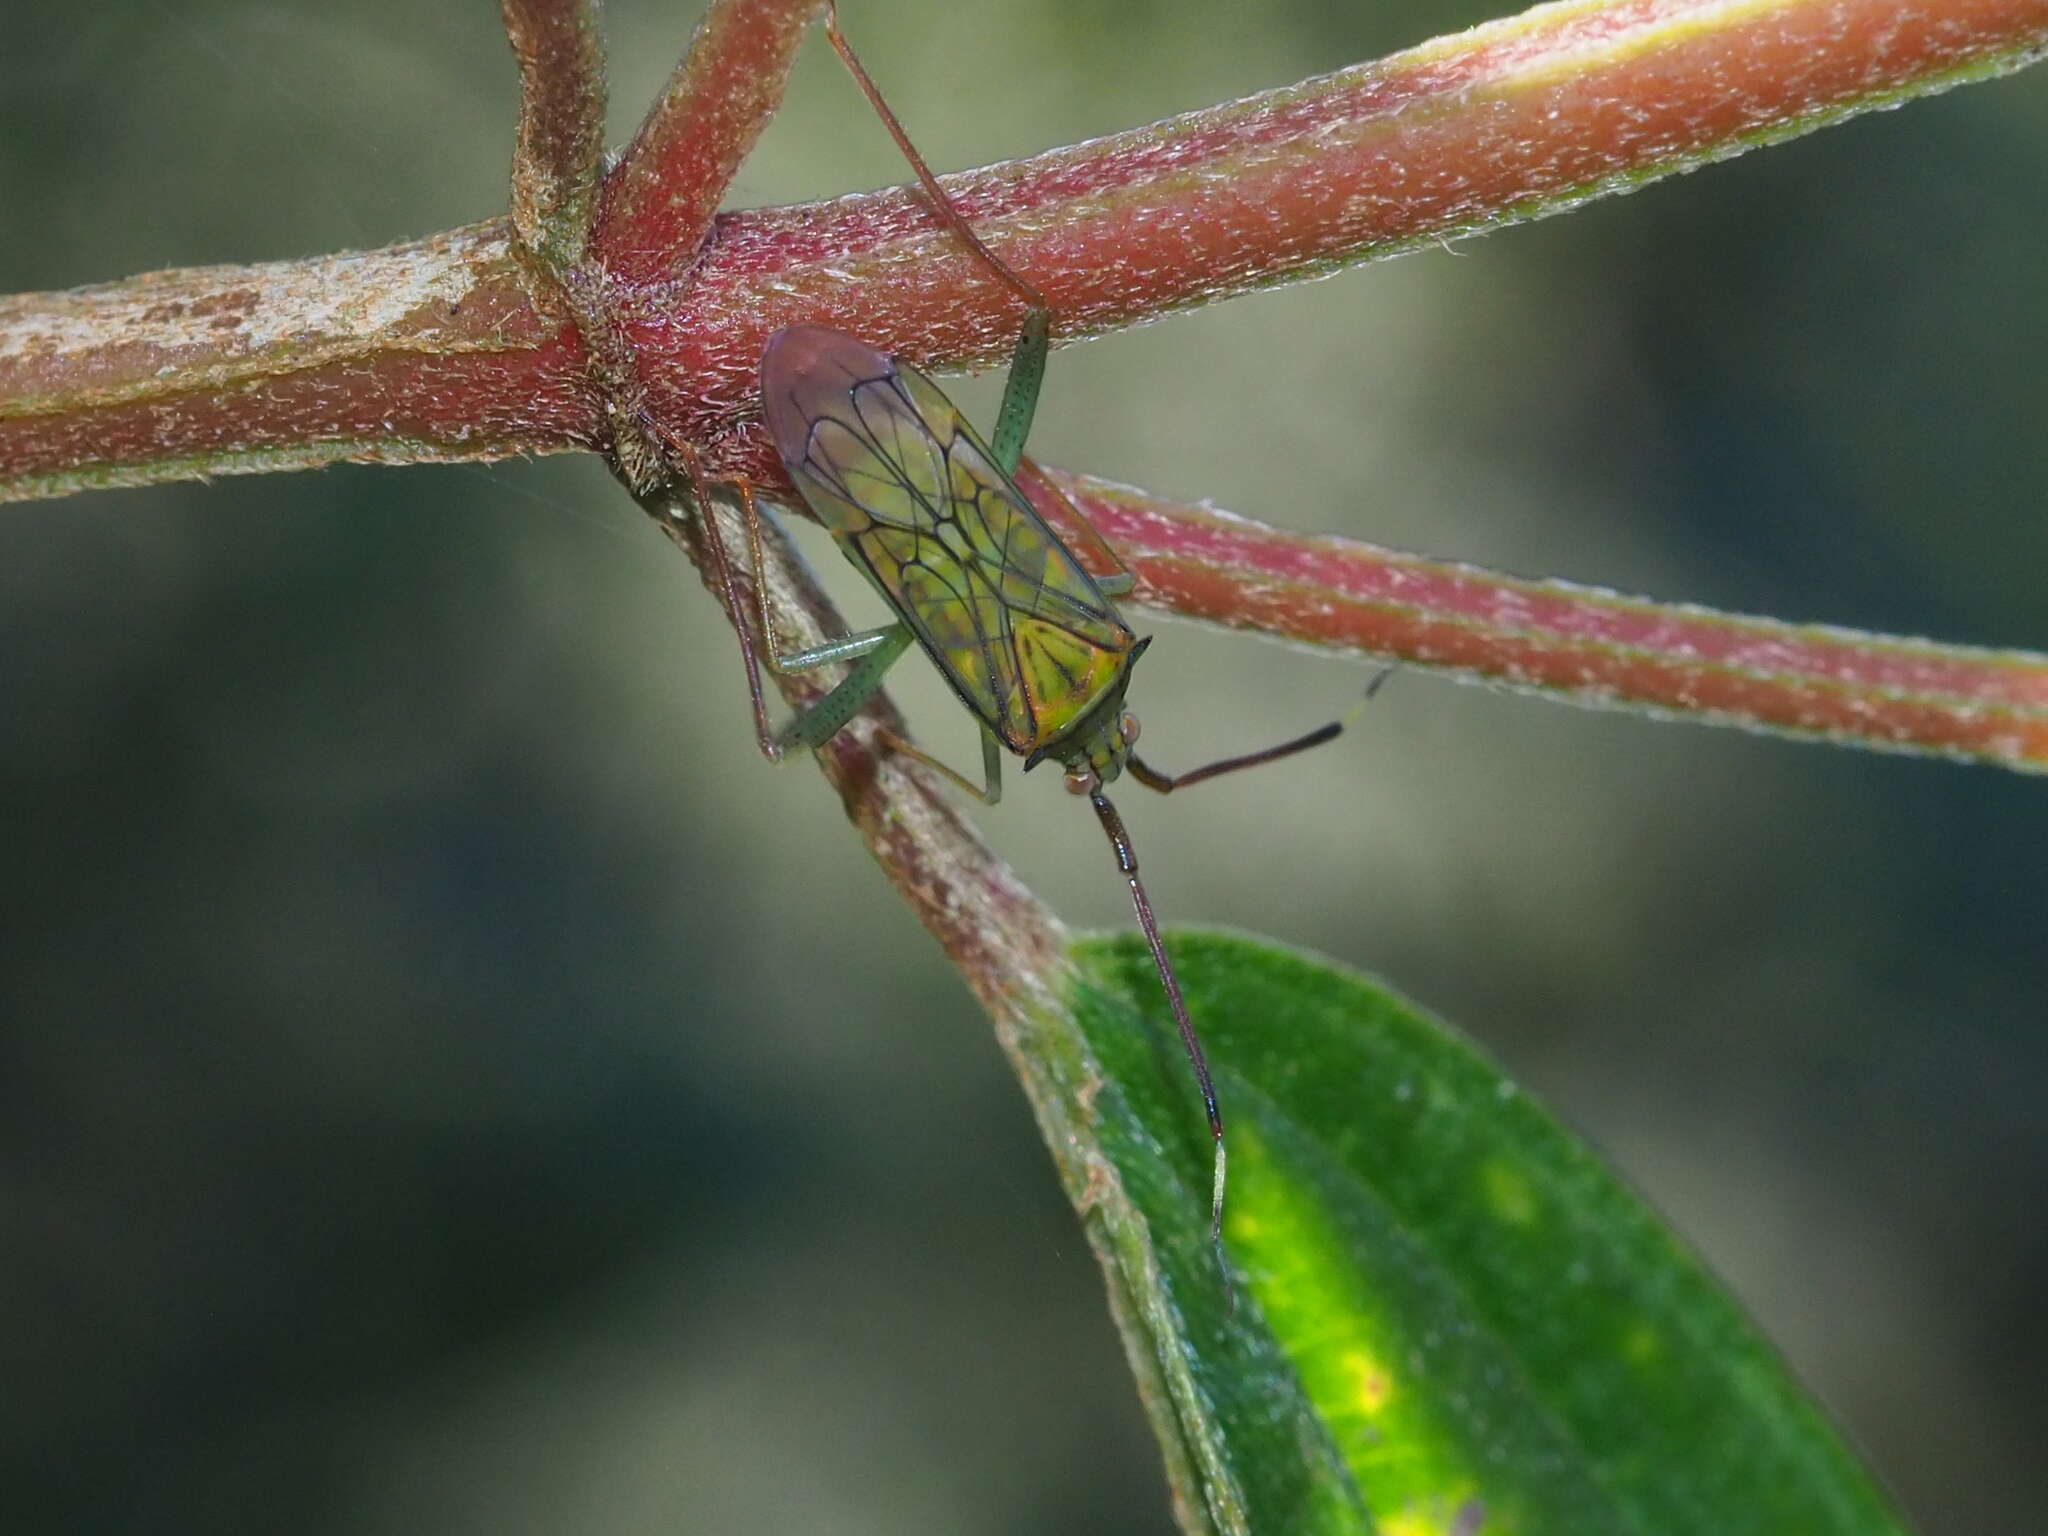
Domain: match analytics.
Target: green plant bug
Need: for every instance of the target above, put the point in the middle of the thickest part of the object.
(1028, 639)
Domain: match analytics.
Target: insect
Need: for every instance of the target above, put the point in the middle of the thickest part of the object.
(1029, 640)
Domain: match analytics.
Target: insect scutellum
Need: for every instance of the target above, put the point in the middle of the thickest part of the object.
(1096, 750)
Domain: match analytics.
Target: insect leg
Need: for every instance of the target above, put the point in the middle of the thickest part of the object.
(750, 513)
(1020, 391)
(826, 718)
(1034, 340)
(878, 650)
(729, 592)
(988, 792)
(1167, 783)
(846, 648)
(1027, 363)
(857, 687)
(941, 204)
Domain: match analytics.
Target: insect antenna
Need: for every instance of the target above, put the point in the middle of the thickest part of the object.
(1167, 783)
(1127, 862)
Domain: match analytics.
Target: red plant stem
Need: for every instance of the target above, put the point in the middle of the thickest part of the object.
(561, 124)
(1510, 121)
(1580, 643)
(454, 347)
(443, 349)
(438, 349)
(659, 199)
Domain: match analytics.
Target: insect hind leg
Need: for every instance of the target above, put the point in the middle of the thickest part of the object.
(1027, 361)
(988, 792)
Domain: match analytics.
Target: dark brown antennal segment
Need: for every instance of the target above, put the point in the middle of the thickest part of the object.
(1127, 862)
(942, 205)
(1167, 783)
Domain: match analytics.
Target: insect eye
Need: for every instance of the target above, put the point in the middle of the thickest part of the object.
(1082, 781)
(1129, 726)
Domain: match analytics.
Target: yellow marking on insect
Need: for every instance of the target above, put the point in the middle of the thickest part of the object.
(1062, 673)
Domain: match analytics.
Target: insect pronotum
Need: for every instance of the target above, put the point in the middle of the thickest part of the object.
(931, 515)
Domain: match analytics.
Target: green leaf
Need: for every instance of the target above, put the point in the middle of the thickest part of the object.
(1450, 1317)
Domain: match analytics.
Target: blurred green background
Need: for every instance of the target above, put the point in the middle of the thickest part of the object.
(452, 1085)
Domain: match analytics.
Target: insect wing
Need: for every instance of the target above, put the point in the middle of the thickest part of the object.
(900, 478)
